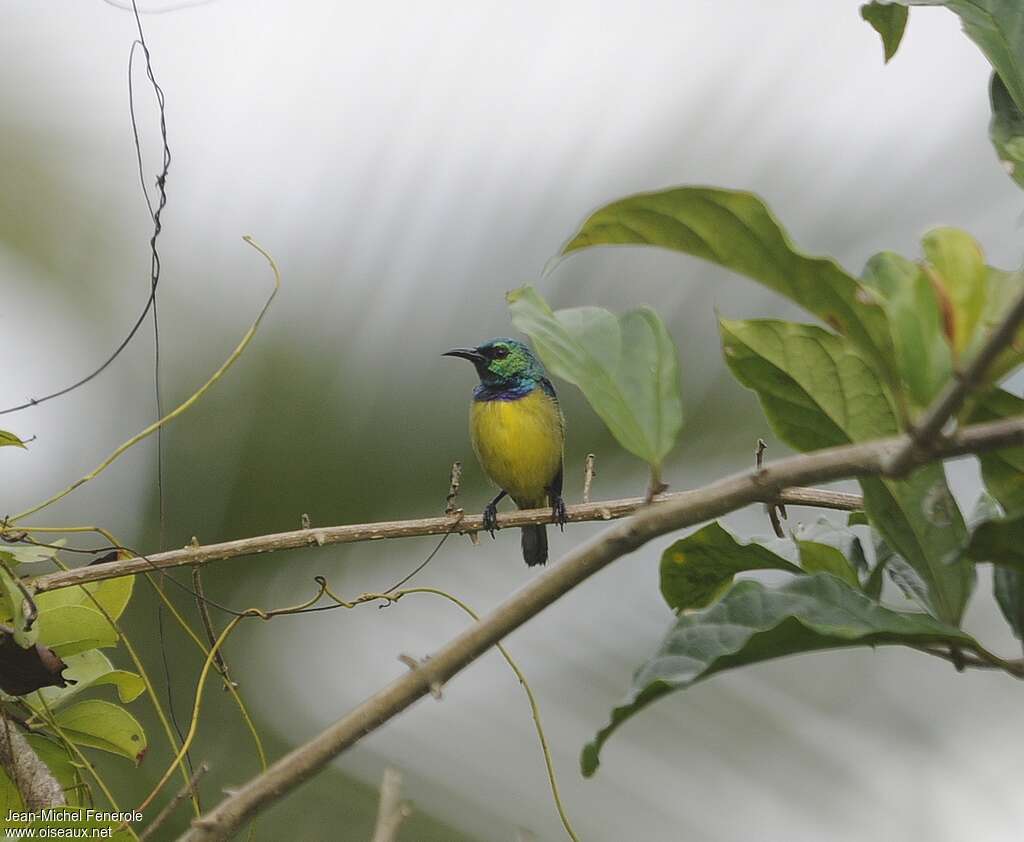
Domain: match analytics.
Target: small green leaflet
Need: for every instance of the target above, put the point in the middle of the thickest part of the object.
(889, 21)
(626, 366)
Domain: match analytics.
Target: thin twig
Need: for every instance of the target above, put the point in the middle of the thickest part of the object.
(457, 523)
(454, 483)
(961, 659)
(687, 509)
(30, 610)
(588, 476)
(392, 811)
(211, 635)
(929, 428)
(774, 509)
(172, 805)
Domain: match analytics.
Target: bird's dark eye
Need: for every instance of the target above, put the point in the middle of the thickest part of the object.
(500, 353)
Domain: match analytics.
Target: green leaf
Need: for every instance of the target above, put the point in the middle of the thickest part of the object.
(922, 353)
(1003, 291)
(840, 538)
(889, 21)
(90, 669)
(999, 541)
(1006, 129)
(626, 366)
(10, 797)
(10, 440)
(822, 558)
(873, 584)
(70, 629)
(105, 726)
(1008, 587)
(997, 27)
(111, 594)
(736, 230)
(958, 267)
(818, 391)
(752, 623)
(1002, 470)
(32, 553)
(696, 569)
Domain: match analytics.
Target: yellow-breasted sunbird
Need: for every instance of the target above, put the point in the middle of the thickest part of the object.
(518, 433)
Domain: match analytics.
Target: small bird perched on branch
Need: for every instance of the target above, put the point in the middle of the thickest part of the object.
(518, 433)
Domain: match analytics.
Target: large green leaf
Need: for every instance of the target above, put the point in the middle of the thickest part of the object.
(838, 537)
(626, 366)
(957, 266)
(697, 568)
(1000, 541)
(1006, 129)
(753, 623)
(90, 669)
(818, 391)
(997, 28)
(111, 594)
(922, 352)
(736, 230)
(70, 629)
(1008, 588)
(105, 726)
(887, 20)
(824, 558)
(1003, 472)
(1004, 289)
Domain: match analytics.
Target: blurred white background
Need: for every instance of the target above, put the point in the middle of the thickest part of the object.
(406, 164)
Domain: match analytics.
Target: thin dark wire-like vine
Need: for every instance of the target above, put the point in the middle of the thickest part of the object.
(155, 212)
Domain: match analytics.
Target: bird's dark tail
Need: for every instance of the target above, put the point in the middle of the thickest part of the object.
(535, 545)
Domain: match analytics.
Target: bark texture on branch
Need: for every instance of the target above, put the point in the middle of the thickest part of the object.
(39, 789)
(684, 509)
(457, 523)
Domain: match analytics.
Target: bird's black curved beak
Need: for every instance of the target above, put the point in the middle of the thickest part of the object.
(471, 354)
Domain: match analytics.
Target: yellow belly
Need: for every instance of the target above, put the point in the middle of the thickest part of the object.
(519, 444)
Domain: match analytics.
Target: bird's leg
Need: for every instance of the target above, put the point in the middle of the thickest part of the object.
(558, 510)
(557, 503)
(491, 514)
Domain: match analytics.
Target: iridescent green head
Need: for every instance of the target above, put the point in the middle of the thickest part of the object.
(503, 363)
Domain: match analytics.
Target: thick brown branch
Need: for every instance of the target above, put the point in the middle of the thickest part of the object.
(193, 555)
(684, 509)
(39, 789)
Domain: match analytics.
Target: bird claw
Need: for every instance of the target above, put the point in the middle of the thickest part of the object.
(558, 511)
(490, 518)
